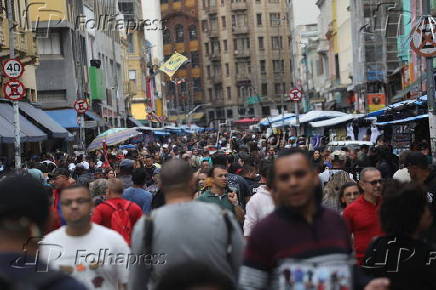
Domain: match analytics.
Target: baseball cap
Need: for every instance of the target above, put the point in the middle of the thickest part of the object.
(127, 163)
(58, 172)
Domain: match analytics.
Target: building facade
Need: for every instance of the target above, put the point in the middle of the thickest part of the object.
(246, 57)
(181, 34)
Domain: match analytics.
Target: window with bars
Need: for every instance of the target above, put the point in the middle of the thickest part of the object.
(276, 42)
(193, 32)
(261, 44)
(262, 66)
(259, 19)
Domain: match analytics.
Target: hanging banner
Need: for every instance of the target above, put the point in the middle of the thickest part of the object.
(376, 102)
(171, 66)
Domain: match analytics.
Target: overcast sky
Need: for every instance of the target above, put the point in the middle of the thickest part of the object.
(305, 12)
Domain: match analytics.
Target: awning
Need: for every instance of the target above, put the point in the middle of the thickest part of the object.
(419, 101)
(335, 121)
(312, 116)
(67, 118)
(195, 116)
(94, 116)
(39, 116)
(29, 132)
(279, 118)
(136, 122)
(405, 120)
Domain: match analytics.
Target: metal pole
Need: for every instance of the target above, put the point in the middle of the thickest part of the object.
(177, 102)
(15, 103)
(430, 90)
(82, 131)
(297, 118)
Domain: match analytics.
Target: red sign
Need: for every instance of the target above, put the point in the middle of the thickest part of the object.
(14, 90)
(81, 106)
(295, 95)
(13, 68)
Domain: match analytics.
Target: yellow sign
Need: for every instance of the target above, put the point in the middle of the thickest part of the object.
(173, 64)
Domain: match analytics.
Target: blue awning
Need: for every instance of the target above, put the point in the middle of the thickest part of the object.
(136, 122)
(67, 118)
(420, 101)
(94, 116)
(28, 131)
(405, 120)
(40, 117)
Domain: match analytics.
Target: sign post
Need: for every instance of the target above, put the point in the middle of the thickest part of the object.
(423, 43)
(295, 95)
(81, 106)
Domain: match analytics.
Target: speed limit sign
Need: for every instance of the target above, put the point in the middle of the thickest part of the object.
(13, 68)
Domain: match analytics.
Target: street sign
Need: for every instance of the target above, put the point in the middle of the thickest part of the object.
(81, 106)
(295, 95)
(423, 40)
(13, 68)
(14, 90)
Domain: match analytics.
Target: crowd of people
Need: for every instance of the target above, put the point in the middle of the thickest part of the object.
(234, 211)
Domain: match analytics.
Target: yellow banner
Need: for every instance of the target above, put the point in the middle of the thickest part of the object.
(173, 64)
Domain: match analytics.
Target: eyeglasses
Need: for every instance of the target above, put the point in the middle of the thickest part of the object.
(79, 201)
(374, 182)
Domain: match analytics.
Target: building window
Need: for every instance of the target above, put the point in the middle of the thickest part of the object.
(204, 25)
(50, 45)
(223, 22)
(274, 19)
(235, 44)
(278, 88)
(210, 94)
(193, 32)
(259, 19)
(338, 69)
(225, 45)
(266, 111)
(260, 40)
(222, 3)
(195, 59)
(277, 42)
(262, 66)
(206, 48)
(179, 33)
(257, 1)
(229, 114)
(229, 93)
(264, 89)
(166, 36)
(211, 113)
(251, 111)
(278, 66)
(208, 71)
(227, 70)
(197, 84)
(274, 1)
(241, 111)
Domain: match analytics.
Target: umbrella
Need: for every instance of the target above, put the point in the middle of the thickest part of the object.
(113, 137)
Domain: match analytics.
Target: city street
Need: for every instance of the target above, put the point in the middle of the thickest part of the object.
(218, 144)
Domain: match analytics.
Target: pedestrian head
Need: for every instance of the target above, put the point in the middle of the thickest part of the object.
(76, 204)
(149, 161)
(204, 164)
(60, 178)
(348, 193)
(404, 210)
(218, 176)
(177, 178)
(24, 210)
(293, 179)
(126, 167)
(371, 182)
(139, 176)
(338, 159)
(98, 187)
(115, 188)
(418, 166)
(111, 174)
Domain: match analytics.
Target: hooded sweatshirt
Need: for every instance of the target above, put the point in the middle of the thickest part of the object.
(259, 206)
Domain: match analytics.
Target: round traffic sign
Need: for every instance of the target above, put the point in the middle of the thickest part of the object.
(295, 95)
(81, 106)
(14, 90)
(423, 40)
(13, 68)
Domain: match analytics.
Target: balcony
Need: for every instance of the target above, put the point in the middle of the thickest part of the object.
(243, 77)
(240, 29)
(211, 9)
(239, 6)
(242, 53)
(216, 79)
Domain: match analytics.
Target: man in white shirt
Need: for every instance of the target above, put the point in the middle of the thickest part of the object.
(94, 255)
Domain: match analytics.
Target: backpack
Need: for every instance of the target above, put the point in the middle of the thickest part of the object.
(120, 220)
(332, 188)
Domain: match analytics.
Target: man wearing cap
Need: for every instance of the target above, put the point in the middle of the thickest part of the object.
(422, 173)
(60, 179)
(126, 169)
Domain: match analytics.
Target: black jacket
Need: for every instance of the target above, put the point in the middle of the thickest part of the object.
(430, 186)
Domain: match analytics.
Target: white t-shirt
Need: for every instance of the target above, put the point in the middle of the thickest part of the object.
(78, 256)
(85, 165)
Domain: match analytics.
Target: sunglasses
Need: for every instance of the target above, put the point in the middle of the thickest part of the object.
(374, 182)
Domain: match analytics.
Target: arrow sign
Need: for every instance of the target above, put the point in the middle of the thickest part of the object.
(14, 90)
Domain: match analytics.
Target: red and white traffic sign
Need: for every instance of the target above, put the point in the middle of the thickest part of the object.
(295, 95)
(14, 90)
(13, 68)
(81, 106)
(423, 40)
